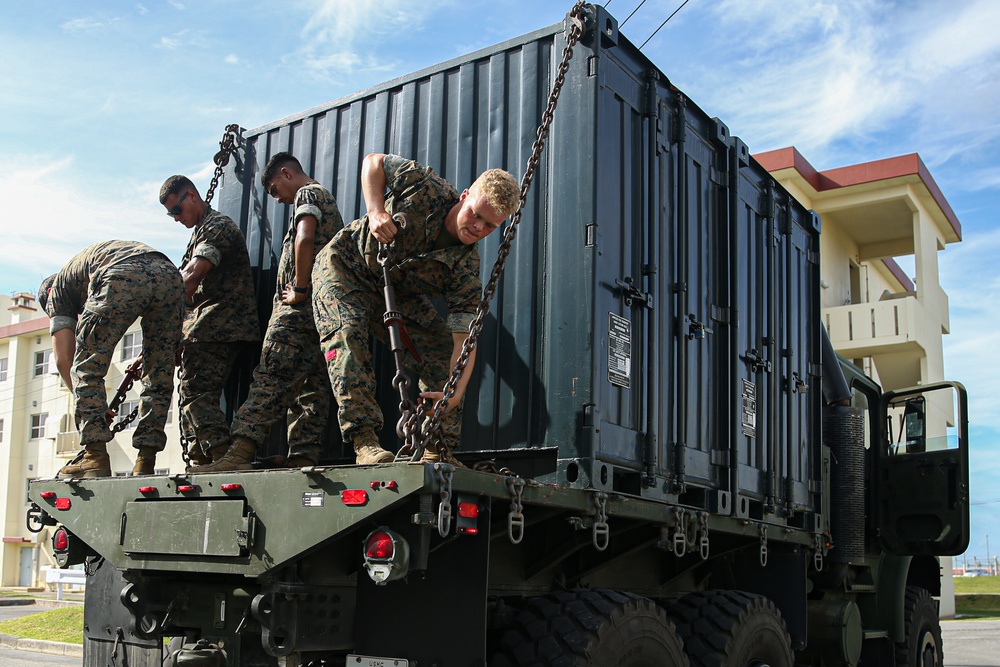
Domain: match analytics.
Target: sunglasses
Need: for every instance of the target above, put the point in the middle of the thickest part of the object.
(176, 210)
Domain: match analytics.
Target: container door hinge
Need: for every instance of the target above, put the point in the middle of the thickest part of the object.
(721, 314)
(651, 102)
(812, 257)
(756, 362)
(631, 293)
(718, 176)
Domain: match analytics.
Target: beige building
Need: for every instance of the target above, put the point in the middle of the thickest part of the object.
(889, 324)
(37, 431)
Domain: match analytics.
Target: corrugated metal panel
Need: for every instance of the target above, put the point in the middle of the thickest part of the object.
(657, 323)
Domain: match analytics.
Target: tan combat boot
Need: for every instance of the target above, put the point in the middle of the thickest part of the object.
(92, 462)
(431, 456)
(368, 452)
(145, 462)
(200, 458)
(237, 457)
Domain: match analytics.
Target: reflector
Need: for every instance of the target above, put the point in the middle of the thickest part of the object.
(231, 487)
(46, 495)
(147, 489)
(63, 503)
(354, 496)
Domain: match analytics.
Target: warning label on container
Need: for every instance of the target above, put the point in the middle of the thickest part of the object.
(619, 350)
(748, 407)
(313, 499)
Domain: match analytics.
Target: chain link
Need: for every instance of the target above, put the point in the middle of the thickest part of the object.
(430, 431)
(132, 373)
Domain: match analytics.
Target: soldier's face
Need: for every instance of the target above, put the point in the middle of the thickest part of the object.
(179, 207)
(476, 218)
(281, 188)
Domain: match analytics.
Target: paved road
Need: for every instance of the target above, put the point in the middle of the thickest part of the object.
(12, 658)
(971, 643)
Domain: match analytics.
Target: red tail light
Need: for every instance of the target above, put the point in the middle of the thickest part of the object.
(60, 540)
(468, 510)
(379, 545)
(185, 488)
(47, 495)
(147, 489)
(63, 503)
(231, 487)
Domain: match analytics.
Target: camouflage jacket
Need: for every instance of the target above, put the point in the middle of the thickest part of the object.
(317, 201)
(223, 309)
(73, 282)
(419, 267)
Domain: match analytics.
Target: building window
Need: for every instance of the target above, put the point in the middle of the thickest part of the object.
(38, 425)
(1, 430)
(125, 410)
(131, 345)
(3, 370)
(42, 360)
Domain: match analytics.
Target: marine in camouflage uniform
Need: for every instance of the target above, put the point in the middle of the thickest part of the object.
(92, 301)
(435, 256)
(221, 315)
(290, 379)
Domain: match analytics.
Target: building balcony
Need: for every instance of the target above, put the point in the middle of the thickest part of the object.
(896, 332)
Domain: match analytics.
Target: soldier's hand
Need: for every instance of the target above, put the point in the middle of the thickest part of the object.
(382, 226)
(290, 297)
(435, 396)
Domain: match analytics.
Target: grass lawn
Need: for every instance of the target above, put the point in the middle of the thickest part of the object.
(7, 593)
(977, 596)
(55, 625)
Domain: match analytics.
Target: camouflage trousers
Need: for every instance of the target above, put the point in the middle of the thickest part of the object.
(288, 381)
(346, 319)
(205, 369)
(150, 287)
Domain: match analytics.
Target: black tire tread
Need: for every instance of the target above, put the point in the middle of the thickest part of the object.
(563, 628)
(712, 622)
(918, 604)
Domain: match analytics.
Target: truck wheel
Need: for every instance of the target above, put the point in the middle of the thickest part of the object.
(589, 628)
(732, 629)
(922, 646)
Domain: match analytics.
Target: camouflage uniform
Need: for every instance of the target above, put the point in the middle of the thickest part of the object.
(221, 319)
(100, 293)
(290, 376)
(426, 263)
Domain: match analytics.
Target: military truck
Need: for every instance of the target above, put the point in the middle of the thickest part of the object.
(663, 460)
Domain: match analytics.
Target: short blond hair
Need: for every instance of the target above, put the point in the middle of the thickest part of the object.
(500, 189)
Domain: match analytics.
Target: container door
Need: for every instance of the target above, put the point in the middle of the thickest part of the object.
(923, 471)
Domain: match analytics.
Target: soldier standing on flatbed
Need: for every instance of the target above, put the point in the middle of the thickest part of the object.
(91, 302)
(221, 315)
(290, 376)
(436, 255)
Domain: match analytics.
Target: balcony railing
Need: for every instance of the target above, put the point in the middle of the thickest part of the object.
(895, 324)
(67, 442)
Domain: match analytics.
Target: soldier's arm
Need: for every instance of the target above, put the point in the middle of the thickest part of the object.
(63, 349)
(458, 339)
(193, 273)
(373, 181)
(305, 237)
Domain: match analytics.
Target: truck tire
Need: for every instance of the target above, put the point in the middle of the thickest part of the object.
(589, 628)
(922, 645)
(732, 629)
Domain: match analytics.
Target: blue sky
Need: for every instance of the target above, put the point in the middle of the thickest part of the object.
(100, 102)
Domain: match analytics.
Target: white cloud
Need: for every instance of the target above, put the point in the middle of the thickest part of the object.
(176, 5)
(141, 9)
(83, 25)
(51, 214)
(341, 36)
(231, 59)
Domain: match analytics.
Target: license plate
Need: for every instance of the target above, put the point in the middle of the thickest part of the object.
(371, 661)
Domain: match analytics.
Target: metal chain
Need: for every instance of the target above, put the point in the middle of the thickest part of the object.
(230, 142)
(432, 429)
(133, 373)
